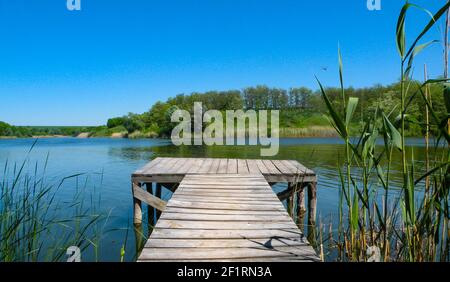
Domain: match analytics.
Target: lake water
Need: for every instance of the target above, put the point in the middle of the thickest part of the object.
(106, 166)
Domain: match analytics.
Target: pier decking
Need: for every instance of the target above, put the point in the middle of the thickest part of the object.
(224, 210)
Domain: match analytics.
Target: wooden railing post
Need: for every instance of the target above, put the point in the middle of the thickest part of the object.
(312, 202)
(137, 206)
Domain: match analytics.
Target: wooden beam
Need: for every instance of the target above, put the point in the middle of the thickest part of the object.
(287, 193)
(172, 187)
(177, 178)
(148, 198)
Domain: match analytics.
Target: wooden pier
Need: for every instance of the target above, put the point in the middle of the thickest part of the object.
(224, 210)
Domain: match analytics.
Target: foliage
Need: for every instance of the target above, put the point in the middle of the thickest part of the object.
(300, 107)
(30, 131)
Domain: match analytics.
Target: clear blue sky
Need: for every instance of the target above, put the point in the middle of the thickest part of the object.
(116, 56)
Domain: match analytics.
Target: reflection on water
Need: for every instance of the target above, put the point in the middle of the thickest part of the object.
(115, 159)
(132, 153)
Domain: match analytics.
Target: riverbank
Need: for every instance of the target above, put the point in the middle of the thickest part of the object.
(307, 132)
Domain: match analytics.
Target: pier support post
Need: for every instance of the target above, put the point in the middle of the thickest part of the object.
(158, 194)
(312, 202)
(137, 206)
(290, 199)
(139, 238)
(150, 209)
(301, 207)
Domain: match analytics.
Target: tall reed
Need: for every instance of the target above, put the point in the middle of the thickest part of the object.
(35, 225)
(414, 226)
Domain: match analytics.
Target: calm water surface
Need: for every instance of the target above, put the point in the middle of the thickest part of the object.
(106, 166)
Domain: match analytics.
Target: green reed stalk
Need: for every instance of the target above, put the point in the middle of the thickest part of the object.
(32, 227)
(419, 234)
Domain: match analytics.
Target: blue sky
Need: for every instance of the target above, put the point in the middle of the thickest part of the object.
(60, 67)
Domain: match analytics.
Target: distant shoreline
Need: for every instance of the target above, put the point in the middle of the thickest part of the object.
(305, 132)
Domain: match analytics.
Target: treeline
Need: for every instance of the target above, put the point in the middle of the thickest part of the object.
(8, 130)
(299, 107)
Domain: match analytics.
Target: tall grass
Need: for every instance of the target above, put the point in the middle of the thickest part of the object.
(35, 225)
(413, 226)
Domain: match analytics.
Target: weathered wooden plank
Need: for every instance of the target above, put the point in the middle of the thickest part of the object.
(301, 167)
(194, 198)
(162, 178)
(253, 167)
(214, 166)
(170, 165)
(232, 166)
(177, 166)
(228, 176)
(271, 167)
(196, 165)
(206, 165)
(224, 253)
(190, 162)
(163, 166)
(160, 166)
(214, 193)
(147, 167)
(224, 183)
(224, 243)
(242, 167)
(213, 225)
(271, 178)
(281, 167)
(225, 191)
(222, 166)
(244, 207)
(293, 169)
(266, 202)
(186, 166)
(225, 217)
(212, 186)
(262, 167)
(226, 234)
(219, 211)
